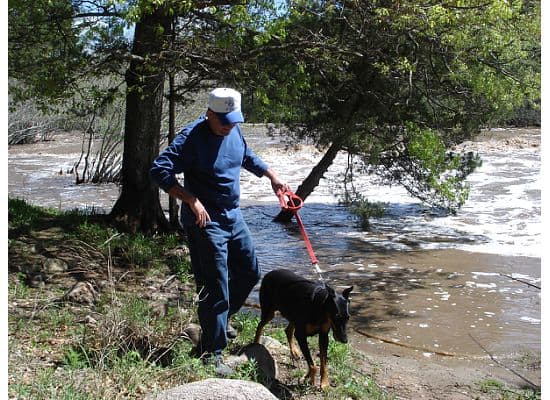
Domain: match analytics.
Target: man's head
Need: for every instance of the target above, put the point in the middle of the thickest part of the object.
(224, 110)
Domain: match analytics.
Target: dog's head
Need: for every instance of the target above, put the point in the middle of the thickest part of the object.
(337, 307)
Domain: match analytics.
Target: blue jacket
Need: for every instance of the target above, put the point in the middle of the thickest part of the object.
(211, 167)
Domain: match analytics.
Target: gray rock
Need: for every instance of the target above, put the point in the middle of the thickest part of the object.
(83, 293)
(273, 345)
(216, 389)
(55, 265)
(192, 332)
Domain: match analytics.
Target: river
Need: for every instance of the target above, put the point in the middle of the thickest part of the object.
(464, 285)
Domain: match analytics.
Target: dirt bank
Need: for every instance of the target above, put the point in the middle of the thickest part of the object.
(452, 347)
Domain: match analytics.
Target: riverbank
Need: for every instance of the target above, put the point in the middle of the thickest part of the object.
(430, 320)
(461, 337)
(61, 345)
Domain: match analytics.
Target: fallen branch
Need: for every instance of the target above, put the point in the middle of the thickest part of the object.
(522, 281)
(533, 385)
(424, 349)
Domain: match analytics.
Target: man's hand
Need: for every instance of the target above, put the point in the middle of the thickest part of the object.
(200, 212)
(201, 215)
(276, 183)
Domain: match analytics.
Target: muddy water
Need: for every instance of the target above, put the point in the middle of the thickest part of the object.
(424, 283)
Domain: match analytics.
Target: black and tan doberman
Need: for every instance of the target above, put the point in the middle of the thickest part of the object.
(311, 308)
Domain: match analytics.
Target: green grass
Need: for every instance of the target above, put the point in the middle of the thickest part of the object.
(499, 390)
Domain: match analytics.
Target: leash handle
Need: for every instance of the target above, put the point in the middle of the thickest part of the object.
(289, 201)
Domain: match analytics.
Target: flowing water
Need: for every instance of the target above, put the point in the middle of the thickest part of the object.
(465, 285)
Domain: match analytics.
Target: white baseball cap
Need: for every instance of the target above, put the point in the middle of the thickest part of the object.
(226, 103)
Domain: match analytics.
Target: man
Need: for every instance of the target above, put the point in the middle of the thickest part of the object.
(210, 153)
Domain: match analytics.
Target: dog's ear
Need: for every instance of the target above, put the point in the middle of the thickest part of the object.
(347, 292)
(321, 293)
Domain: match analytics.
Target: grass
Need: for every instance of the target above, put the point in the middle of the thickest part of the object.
(123, 346)
(499, 390)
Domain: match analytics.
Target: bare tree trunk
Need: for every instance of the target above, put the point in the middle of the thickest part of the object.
(138, 207)
(312, 180)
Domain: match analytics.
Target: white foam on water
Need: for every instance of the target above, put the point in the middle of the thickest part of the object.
(502, 215)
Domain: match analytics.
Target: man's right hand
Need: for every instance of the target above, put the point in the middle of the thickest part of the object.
(201, 215)
(200, 212)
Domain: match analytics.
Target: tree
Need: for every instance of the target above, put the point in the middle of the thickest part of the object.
(138, 206)
(208, 45)
(397, 83)
(43, 48)
(393, 83)
(201, 50)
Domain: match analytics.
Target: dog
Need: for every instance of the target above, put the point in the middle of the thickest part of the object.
(311, 308)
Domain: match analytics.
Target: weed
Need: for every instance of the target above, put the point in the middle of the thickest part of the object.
(364, 210)
(94, 234)
(49, 385)
(186, 365)
(20, 213)
(346, 380)
(182, 268)
(128, 349)
(17, 288)
(140, 250)
(76, 358)
(499, 389)
(245, 323)
(248, 371)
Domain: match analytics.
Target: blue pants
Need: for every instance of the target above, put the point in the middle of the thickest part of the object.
(226, 269)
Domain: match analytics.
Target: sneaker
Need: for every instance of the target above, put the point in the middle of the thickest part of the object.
(220, 367)
(231, 332)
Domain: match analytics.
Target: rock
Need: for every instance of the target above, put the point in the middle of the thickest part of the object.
(266, 363)
(273, 345)
(83, 293)
(37, 280)
(234, 361)
(88, 320)
(192, 332)
(55, 265)
(159, 308)
(178, 252)
(216, 389)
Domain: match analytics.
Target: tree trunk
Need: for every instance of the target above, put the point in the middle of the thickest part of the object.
(312, 180)
(172, 202)
(138, 207)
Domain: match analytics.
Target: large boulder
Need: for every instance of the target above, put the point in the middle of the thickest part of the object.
(216, 389)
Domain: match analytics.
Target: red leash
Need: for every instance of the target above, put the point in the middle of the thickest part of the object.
(291, 202)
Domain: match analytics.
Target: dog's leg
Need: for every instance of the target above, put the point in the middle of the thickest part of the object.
(312, 370)
(291, 342)
(266, 317)
(323, 349)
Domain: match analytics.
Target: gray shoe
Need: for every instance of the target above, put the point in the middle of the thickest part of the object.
(220, 367)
